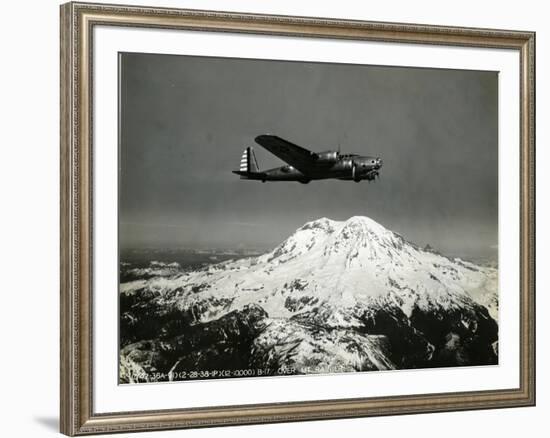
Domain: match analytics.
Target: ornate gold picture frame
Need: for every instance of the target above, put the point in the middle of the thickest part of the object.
(78, 22)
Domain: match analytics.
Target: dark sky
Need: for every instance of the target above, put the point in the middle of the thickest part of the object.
(186, 120)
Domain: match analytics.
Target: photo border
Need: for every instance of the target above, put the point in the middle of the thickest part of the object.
(77, 23)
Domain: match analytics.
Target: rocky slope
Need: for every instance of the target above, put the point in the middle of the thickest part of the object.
(333, 297)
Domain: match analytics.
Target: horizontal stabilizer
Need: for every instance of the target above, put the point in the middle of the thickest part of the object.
(250, 175)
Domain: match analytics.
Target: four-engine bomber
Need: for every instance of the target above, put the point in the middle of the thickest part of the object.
(304, 166)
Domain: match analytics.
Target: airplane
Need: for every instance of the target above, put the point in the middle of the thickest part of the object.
(304, 166)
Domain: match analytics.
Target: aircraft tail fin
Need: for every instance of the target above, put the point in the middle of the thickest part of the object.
(249, 164)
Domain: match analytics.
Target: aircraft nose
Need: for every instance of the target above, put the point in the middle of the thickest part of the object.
(379, 162)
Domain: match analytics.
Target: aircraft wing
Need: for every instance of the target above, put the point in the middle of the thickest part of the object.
(298, 157)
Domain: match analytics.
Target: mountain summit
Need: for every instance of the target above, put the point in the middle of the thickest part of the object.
(334, 296)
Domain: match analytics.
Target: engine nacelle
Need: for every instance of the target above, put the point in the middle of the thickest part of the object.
(360, 170)
(327, 157)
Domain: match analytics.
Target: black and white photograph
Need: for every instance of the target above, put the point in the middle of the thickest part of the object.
(289, 218)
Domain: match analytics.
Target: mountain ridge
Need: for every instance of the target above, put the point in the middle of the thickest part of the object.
(357, 282)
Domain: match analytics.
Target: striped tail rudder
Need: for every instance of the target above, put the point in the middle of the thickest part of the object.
(244, 161)
(249, 163)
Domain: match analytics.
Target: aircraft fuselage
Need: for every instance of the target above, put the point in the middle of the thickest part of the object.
(343, 169)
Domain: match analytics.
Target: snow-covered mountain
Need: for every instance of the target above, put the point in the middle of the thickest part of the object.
(333, 297)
